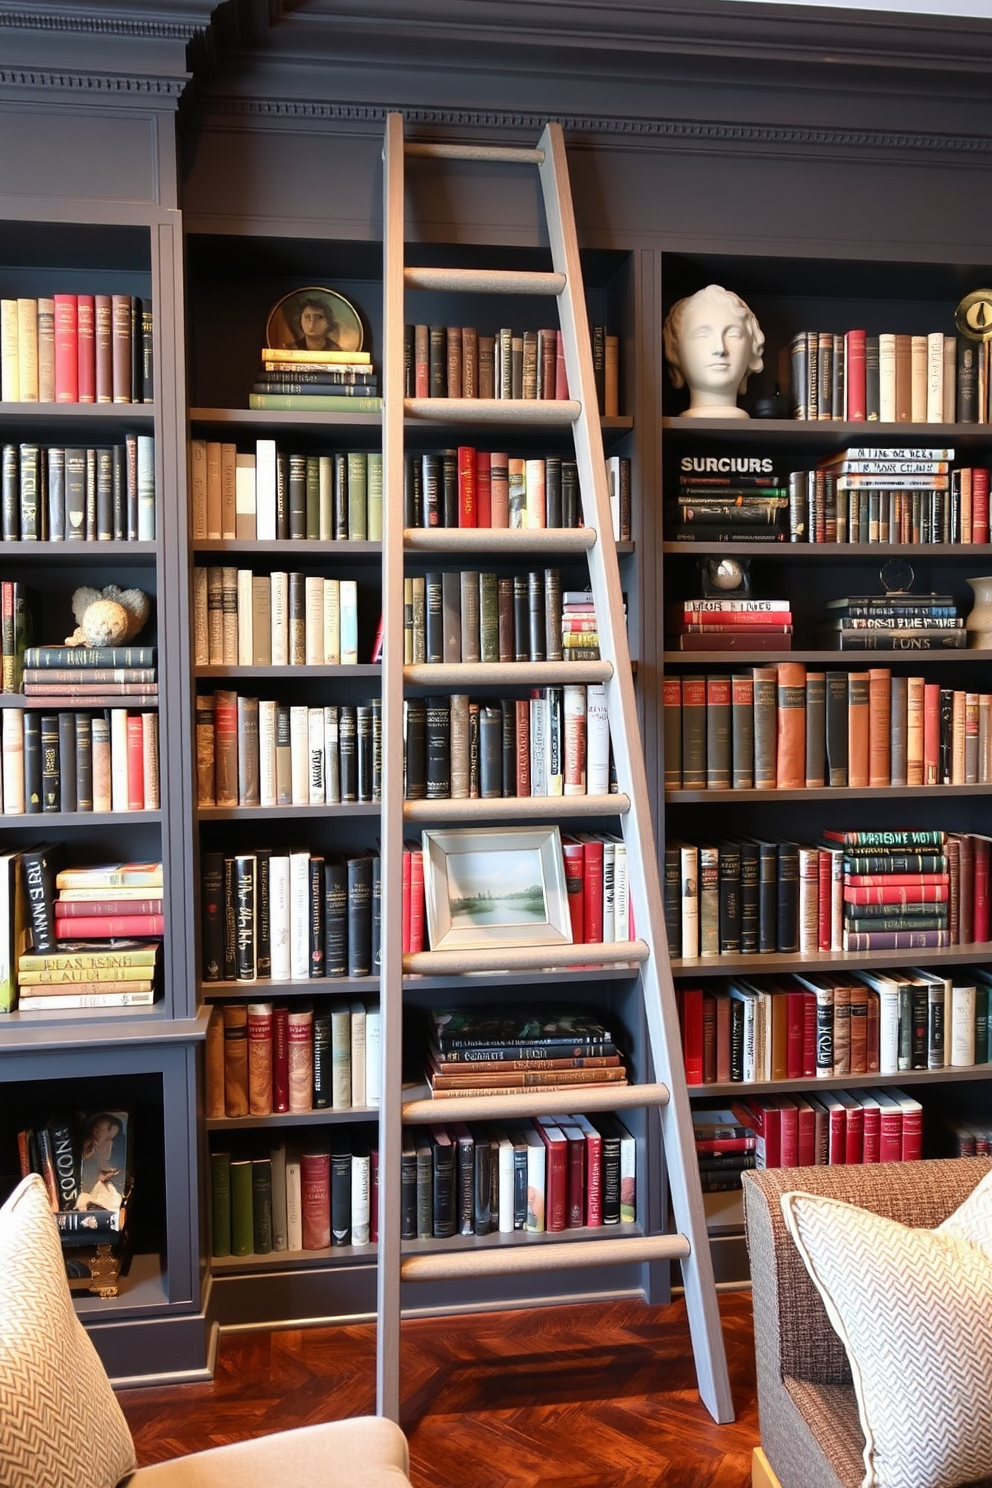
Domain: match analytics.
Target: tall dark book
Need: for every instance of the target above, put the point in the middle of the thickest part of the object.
(41, 863)
(340, 1190)
(335, 917)
(244, 917)
(359, 891)
(322, 1092)
(438, 746)
(261, 1205)
(444, 1189)
(212, 915)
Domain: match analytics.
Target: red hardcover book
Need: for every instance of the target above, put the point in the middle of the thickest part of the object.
(981, 926)
(872, 1127)
(885, 893)
(594, 1172)
(575, 1193)
(763, 1114)
(795, 1046)
(854, 1132)
(66, 350)
(823, 906)
(714, 1145)
(809, 1035)
(979, 505)
(592, 889)
(912, 1124)
(895, 880)
(103, 318)
(889, 1126)
(789, 1123)
(374, 1195)
(574, 856)
(966, 891)
(260, 1019)
(121, 347)
(407, 868)
(733, 640)
(483, 489)
(836, 1127)
(806, 1132)
(71, 908)
(280, 1057)
(723, 1038)
(693, 620)
(556, 1173)
(417, 907)
(315, 1199)
(499, 489)
(854, 375)
(107, 927)
(135, 763)
(931, 733)
(86, 348)
(691, 1001)
(467, 508)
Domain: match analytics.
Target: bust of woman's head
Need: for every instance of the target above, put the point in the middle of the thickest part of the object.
(712, 344)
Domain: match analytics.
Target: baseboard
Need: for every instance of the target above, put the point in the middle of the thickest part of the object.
(761, 1474)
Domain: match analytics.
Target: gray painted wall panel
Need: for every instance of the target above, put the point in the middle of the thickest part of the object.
(79, 154)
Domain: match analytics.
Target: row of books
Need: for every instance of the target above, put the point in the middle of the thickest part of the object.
(788, 727)
(276, 916)
(265, 1057)
(531, 1177)
(746, 896)
(823, 1024)
(78, 974)
(255, 752)
(58, 493)
(454, 616)
(727, 497)
(554, 742)
(489, 1050)
(271, 494)
(832, 1127)
(461, 362)
(889, 377)
(85, 1159)
(78, 760)
(241, 618)
(469, 487)
(76, 348)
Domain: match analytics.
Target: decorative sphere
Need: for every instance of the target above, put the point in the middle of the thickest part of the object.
(726, 574)
(105, 623)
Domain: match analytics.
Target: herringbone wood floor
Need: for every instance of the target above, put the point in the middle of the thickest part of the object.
(600, 1395)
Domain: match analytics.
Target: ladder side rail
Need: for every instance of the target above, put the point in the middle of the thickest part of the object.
(645, 887)
(391, 849)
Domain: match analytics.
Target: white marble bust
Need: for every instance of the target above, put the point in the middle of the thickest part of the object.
(712, 344)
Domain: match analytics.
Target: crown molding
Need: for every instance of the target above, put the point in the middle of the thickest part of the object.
(690, 133)
(84, 82)
(154, 22)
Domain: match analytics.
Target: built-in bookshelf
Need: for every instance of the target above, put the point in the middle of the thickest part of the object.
(786, 810)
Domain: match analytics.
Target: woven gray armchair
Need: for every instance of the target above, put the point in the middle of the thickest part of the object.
(811, 1436)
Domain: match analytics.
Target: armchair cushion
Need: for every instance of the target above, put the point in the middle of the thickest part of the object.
(62, 1426)
(911, 1307)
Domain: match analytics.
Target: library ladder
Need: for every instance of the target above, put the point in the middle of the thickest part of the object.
(688, 1244)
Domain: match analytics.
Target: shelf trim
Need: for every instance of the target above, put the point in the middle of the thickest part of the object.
(458, 674)
(538, 1101)
(525, 958)
(555, 1254)
(509, 808)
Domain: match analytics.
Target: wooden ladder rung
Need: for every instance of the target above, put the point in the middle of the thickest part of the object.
(509, 154)
(525, 958)
(509, 540)
(485, 281)
(511, 808)
(460, 674)
(551, 1255)
(552, 412)
(546, 1101)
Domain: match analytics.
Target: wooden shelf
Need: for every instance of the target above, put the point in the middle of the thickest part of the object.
(832, 552)
(778, 961)
(325, 1116)
(828, 793)
(353, 671)
(512, 808)
(856, 660)
(735, 1090)
(327, 551)
(461, 674)
(276, 813)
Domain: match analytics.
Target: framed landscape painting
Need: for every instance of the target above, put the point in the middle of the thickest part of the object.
(490, 886)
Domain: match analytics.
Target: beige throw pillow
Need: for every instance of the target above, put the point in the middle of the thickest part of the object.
(913, 1309)
(60, 1424)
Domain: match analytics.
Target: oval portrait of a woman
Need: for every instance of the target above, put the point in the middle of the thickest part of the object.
(314, 319)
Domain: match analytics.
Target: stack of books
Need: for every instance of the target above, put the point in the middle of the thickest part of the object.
(895, 894)
(725, 1148)
(579, 626)
(893, 622)
(316, 381)
(87, 674)
(906, 494)
(730, 625)
(728, 500)
(492, 1051)
(88, 974)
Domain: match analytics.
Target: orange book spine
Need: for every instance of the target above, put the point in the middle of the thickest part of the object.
(915, 730)
(857, 728)
(879, 726)
(790, 752)
(86, 348)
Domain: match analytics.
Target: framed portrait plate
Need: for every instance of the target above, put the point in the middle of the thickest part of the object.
(490, 886)
(314, 319)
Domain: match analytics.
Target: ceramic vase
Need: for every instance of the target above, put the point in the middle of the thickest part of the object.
(979, 622)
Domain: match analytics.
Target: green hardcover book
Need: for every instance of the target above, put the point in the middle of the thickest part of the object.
(220, 1203)
(313, 403)
(261, 1204)
(340, 1056)
(313, 497)
(242, 1222)
(358, 497)
(374, 484)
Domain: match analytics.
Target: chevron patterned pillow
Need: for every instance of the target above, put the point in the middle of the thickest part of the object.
(62, 1426)
(913, 1310)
